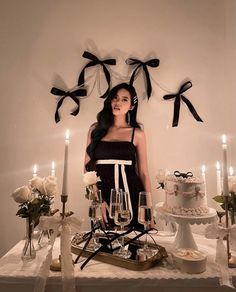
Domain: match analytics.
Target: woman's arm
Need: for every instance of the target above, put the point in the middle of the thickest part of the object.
(140, 142)
(87, 158)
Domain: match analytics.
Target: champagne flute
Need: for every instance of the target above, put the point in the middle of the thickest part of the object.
(145, 217)
(123, 218)
(95, 214)
(113, 202)
(112, 209)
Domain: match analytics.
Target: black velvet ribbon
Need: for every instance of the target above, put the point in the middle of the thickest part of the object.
(151, 63)
(184, 175)
(72, 94)
(93, 62)
(111, 236)
(178, 97)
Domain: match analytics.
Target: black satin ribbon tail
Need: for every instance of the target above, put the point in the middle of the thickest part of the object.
(74, 95)
(144, 65)
(178, 97)
(94, 61)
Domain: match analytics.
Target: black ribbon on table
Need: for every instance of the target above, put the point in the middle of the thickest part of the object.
(184, 175)
(72, 94)
(178, 97)
(104, 247)
(151, 63)
(93, 62)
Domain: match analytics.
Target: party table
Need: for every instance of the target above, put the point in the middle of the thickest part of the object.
(18, 276)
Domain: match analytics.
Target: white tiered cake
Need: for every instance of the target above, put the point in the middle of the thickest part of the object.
(185, 196)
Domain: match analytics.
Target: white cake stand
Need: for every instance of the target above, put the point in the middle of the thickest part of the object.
(184, 237)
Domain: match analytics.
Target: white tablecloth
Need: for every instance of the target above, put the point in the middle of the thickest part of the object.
(16, 276)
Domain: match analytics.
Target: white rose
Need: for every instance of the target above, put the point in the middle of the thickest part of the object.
(50, 186)
(37, 183)
(90, 178)
(22, 194)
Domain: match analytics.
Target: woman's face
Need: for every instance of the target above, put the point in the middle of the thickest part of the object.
(121, 103)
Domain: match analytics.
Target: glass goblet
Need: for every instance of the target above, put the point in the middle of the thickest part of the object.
(122, 218)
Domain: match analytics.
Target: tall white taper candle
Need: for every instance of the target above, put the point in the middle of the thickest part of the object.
(224, 166)
(65, 173)
(218, 179)
(204, 176)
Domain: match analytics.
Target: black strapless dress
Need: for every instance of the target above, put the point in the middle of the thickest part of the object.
(119, 151)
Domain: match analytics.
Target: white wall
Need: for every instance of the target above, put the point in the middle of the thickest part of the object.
(42, 43)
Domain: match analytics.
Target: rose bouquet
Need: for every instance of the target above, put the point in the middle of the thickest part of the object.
(35, 199)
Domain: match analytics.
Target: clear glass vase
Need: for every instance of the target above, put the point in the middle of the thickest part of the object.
(29, 252)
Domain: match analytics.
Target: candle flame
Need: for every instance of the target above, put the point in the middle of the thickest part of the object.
(217, 165)
(35, 169)
(67, 134)
(53, 165)
(231, 170)
(224, 139)
(203, 168)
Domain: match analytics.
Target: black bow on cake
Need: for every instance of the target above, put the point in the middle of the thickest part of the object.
(93, 62)
(151, 63)
(184, 175)
(72, 94)
(178, 97)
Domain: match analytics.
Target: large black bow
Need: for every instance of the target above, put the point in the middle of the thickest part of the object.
(178, 97)
(151, 63)
(95, 61)
(64, 94)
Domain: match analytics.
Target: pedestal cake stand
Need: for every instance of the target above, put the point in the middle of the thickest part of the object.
(184, 237)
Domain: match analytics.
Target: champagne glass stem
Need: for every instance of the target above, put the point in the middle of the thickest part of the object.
(145, 246)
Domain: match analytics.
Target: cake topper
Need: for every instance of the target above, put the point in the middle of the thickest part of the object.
(184, 175)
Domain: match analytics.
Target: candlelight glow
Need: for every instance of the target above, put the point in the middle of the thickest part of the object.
(224, 139)
(231, 170)
(217, 165)
(35, 168)
(67, 134)
(203, 168)
(53, 165)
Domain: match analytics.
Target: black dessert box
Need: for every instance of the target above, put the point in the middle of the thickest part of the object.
(106, 256)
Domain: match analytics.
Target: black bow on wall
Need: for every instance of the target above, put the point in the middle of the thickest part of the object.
(178, 97)
(73, 94)
(93, 62)
(151, 63)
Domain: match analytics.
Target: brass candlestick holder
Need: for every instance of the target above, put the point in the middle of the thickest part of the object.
(56, 263)
(231, 258)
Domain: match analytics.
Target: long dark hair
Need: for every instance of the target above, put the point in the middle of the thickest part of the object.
(105, 120)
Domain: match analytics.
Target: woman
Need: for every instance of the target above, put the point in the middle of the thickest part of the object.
(116, 148)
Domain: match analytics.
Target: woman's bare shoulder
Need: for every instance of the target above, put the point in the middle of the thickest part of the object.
(139, 136)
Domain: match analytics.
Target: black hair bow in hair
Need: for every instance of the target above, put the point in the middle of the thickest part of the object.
(95, 61)
(178, 97)
(73, 94)
(151, 63)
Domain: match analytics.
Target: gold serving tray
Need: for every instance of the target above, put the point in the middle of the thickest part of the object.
(131, 264)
